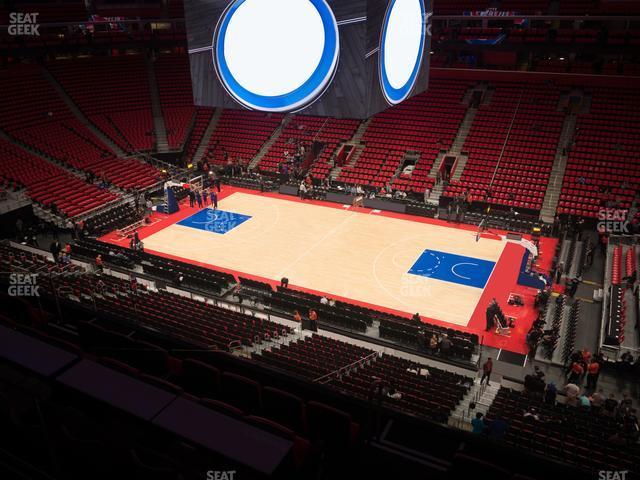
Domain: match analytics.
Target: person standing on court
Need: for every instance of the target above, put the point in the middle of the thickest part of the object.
(486, 371)
(490, 314)
(192, 198)
(199, 198)
(214, 199)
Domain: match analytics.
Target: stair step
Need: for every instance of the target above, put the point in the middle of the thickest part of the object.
(80, 115)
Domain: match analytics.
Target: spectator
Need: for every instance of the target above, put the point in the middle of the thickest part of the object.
(393, 393)
(575, 373)
(571, 390)
(445, 346)
(433, 343)
(534, 386)
(593, 371)
(99, 264)
(630, 427)
(477, 424)
(486, 371)
(532, 340)
(55, 249)
(584, 401)
(313, 320)
(532, 414)
(550, 393)
(497, 428)
(610, 406)
(296, 316)
(572, 287)
(237, 291)
(625, 405)
(597, 400)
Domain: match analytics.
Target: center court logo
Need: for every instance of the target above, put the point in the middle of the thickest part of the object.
(23, 285)
(24, 24)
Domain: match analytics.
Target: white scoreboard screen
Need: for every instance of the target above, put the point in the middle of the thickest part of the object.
(340, 58)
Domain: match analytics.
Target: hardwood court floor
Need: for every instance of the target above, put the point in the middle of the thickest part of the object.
(342, 252)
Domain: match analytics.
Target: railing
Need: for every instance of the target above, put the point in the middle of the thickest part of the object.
(234, 345)
(123, 232)
(127, 198)
(347, 368)
(506, 139)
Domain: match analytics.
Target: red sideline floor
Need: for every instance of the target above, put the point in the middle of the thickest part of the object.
(503, 281)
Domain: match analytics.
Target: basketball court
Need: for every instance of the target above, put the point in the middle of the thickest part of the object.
(394, 262)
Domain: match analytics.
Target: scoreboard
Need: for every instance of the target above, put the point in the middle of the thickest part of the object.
(341, 58)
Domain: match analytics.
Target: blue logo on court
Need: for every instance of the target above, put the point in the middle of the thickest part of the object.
(216, 221)
(449, 267)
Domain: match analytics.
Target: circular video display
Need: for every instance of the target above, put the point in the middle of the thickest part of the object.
(401, 48)
(276, 55)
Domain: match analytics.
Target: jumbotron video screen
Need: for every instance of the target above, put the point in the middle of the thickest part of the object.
(320, 57)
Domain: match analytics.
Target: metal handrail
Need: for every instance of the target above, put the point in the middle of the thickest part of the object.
(347, 368)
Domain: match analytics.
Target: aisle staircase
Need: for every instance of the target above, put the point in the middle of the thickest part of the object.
(270, 141)
(206, 136)
(159, 128)
(556, 178)
(478, 399)
(357, 152)
(81, 116)
(358, 146)
(455, 151)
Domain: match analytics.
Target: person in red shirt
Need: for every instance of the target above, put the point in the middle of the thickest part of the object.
(313, 320)
(99, 264)
(575, 374)
(593, 371)
(586, 355)
(297, 317)
(486, 370)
